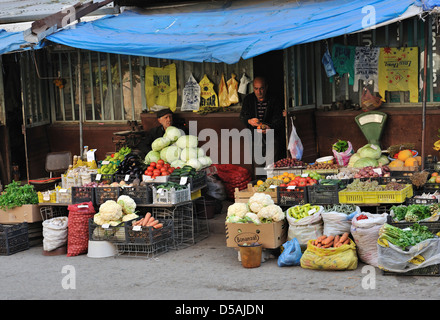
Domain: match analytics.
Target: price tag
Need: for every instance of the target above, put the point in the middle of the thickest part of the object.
(161, 191)
(378, 170)
(46, 197)
(105, 162)
(137, 228)
(291, 187)
(272, 186)
(105, 226)
(304, 175)
(82, 206)
(63, 190)
(372, 146)
(127, 177)
(312, 211)
(98, 177)
(91, 155)
(183, 180)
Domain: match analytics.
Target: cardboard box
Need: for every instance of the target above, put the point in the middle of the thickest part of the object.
(26, 213)
(245, 194)
(270, 235)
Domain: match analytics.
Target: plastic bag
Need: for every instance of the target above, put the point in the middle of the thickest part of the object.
(342, 158)
(291, 255)
(393, 258)
(215, 188)
(223, 96)
(191, 95)
(304, 229)
(295, 145)
(78, 228)
(342, 258)
(232, 90)
(54, 233)
(208, 97)
(365, 233)
(244, 81)
(161, 87)
(328, 64)
(337, 222)
(369, 102)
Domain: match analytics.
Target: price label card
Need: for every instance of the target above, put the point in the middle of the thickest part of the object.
(82, 206)
(91, 155)
(183, 180)
(105, 226)
(127, 177)
(291, 187)
(372, 146)
(161, 191)
(105, 162)
(98, 177)
(378, 170)
(272, 186)
(304, 175)
(312, 211)
(137, 228)
(63, 190)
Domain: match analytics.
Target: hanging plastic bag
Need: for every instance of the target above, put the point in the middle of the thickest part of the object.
(161, 87)
(223, 95)
(295, 145)
(208, 97)
(328, 64)
(191, 95)
(232, 90)
(291, 255)
(341, 258)
(244, 81)
(368, 101)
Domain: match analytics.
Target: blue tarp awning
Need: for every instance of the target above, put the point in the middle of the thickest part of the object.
(14, 41)
(228, 34)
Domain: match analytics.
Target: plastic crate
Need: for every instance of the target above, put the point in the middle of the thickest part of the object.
(433, 226)
(102, 194)
(106, 233)
(149, 235)
(370, 197)
(140, 194)
(172, 196)
(271, 171)
(413, 200)
(197, 182)
(323, 194)
(83, 194)
(287, 196)
(64, 195)
(128, 178)
(13, 238)
(431, 187)
(101, 177)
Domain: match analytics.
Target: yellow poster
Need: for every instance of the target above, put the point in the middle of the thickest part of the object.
(161, 87)
(398, 71)
(208, 97)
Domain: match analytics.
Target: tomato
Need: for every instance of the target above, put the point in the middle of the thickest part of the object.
(149, 172)
(161, 162)
(302, 184)
(152, 164)
(165, 173)
(283, 185)
(163, 169)
(167, 165)
(159, 166)
(171, 169)
(156, 172)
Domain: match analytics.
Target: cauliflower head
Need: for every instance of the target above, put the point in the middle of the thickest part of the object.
(97, 219)
(271, 213)
(253, 216)
(237, 209)
(110, 211)
(128, 204)
(258, 201)
(129, 217)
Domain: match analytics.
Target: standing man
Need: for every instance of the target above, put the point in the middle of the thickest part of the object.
(260, 112)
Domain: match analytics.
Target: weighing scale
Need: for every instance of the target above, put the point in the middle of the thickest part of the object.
(371, 124)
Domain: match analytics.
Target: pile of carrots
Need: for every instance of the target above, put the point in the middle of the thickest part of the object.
(331, 241)
(148, 221)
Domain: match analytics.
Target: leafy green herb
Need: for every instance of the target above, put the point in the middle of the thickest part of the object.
(16, 195)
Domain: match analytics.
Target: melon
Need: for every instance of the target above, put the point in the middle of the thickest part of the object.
(404, 154)
(411, 162)
(396, 163)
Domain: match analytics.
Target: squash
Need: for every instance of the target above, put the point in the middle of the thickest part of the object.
(411, 162)
(396, 163)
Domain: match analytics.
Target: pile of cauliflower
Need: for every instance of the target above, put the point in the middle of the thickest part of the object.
(114, 213)
(259, 209)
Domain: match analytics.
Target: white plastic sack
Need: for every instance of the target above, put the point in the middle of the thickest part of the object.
(365, 234)
(191, 95)
(393, 258)
(295, 145)
(54, 233)
(337, 223)
(306, 228)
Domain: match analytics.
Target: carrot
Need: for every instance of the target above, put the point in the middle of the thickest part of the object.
(145, 222)
(313, 242)
(346, 241)
(328, 245)
(319, 245)
(338, 245)
(152, 224)
(321, 238)
(148, 215)
(158, 226)
(328, 240)
(344, 237)
(138, 223)
(150, 220)
(337, 238)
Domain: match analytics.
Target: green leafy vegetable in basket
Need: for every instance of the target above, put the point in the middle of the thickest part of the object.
(16, 195)
(405, 237)
(340, 146)
(412, 213)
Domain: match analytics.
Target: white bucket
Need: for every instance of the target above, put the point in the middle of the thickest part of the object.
(101, 249)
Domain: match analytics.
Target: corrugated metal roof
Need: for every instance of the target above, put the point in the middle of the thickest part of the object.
(31, 10)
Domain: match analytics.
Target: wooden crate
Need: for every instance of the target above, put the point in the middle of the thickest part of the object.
(245, 194)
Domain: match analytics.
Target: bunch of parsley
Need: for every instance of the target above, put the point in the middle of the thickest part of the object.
(16, 195)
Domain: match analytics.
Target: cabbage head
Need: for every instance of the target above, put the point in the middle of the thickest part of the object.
(188, 153)
(354, 157)
(194, 163)
(160, 143)
(365, 162)
(169, 154)
(370, 151)
(383, 160)
(178, 163)
(172, 133)
(187, 141)
(205, 161)
(152, 156)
